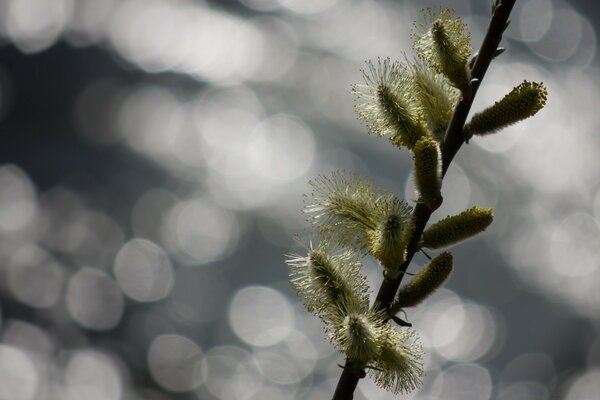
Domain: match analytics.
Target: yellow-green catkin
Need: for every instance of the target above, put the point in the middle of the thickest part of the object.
(456, 228)
(431, 277)
(388, 105)
(330, 284)
(358, 335)
(399, 365)
(451, 62)
(522, 102)
(428, 172)
(445, 45)
(437, 98)
(389, 241)
(348, 209)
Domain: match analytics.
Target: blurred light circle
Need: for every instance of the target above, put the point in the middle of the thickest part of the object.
(261, 5)
(200, 231)
(17, 198)
(585, 387)
(152, 203)
(304, 351)
(143, 271)
(91, 375)
(199, 295)
(281, 148)
(88, 21)
(456, 191)
(525, 390)
(436, 326)
(148, 118)
(28, 337)
(260, 316)
(463, 382)
(174, 362)
(574, 245)
(34, 25)
(231, 373)
(563, 37)
(19, 379)
(534, 19)
(535, 367)
(449, 325)
(94, 300)
(35, 278)
(278, 49)
(308, 6)
(476, 336)
(278, 367)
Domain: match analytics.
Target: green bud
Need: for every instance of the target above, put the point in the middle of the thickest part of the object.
(424, 283)
(456, 228)
(428, 172)
(522, 102)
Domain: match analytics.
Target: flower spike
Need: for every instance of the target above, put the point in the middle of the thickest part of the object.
(456, 228)
(436, 96)
(348, 209)
(424, 283)
(428, 172)
(387, 103)
(359, 336)
(330, 284)
(445, 44)
(399, 367)
(522, 102)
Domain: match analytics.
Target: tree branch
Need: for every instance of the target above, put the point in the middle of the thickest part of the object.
(452, 143)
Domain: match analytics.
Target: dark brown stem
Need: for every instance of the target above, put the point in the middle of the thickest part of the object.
(452, 143)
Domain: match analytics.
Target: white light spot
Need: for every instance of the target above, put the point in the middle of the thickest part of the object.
(260, 316)
(230, 373)
(586, 386)
(563, 37)
(34, 25)
(308, 6)
(476, 336)
(463, 382)
(17, 198)
(574, 245)
(35, 278)
(19, 379)
(143, 271)
(94, 300)
(281, 148)
(174, 362)
(200, 232)
(29, 337)
(92, 375)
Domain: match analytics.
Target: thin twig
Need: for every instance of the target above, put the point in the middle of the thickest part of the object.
(452, 143)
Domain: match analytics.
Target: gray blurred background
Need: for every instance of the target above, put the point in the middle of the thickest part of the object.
(153, 157)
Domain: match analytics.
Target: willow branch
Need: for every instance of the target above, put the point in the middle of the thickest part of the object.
(453, 141)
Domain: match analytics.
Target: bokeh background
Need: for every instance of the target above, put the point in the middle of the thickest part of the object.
(153, 157)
